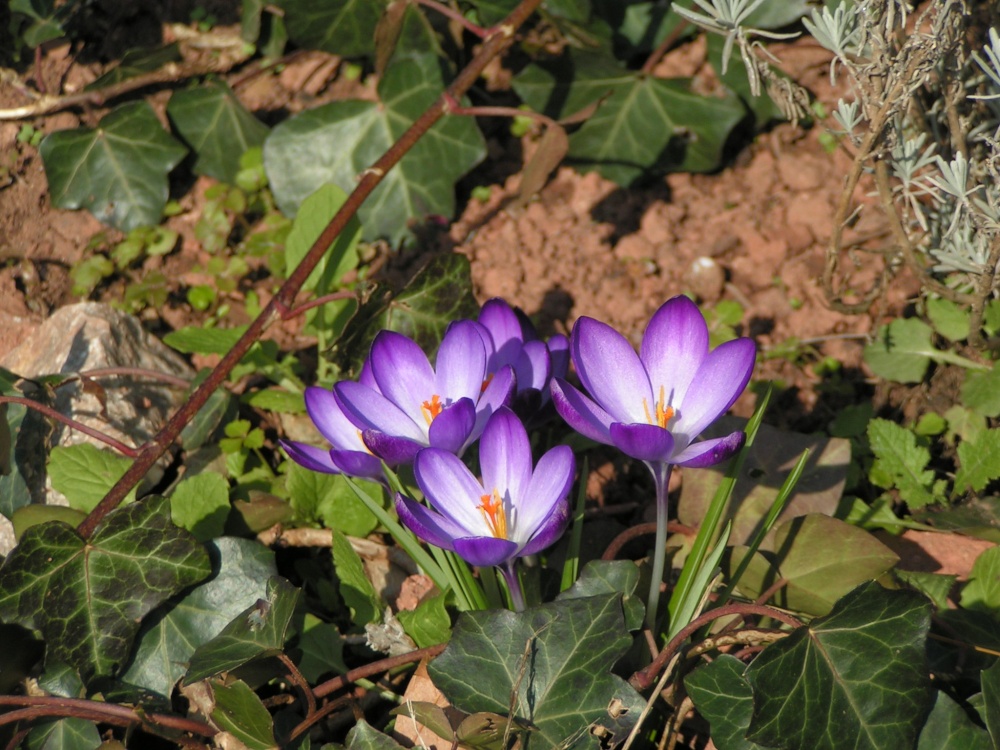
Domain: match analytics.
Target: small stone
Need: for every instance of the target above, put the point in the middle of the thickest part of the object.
(706, 279)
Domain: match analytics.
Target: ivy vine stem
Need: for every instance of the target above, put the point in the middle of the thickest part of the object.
(51, 413)
(497, 42)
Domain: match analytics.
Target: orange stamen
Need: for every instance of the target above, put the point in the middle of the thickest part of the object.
(431, 408)
(486, 384)
(663, 413)
(492, 510)
(363, 446)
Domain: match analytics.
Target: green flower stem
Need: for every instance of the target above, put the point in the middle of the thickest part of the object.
(661, 478)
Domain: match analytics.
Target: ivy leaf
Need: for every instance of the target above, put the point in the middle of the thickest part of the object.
(439, 293)
(88, 597)
(340, 27)
(84, 473)
(217, 126)
(607, 577)
(556, 659)
(23, 433)
(363, 736)
(979, 462)
(336, 142)
(64, 734)
(982, 592)
(429, 623)
(260, 630)
(46, 20)
(239, 711)
(991, 700)
(846, 702)
(240, 568)
(117, 171)
(901, 462)
(322, 649)
(724, 697)
(949, 728)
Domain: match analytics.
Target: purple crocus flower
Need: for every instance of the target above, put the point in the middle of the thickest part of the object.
(414, 405)
(653, 405)
(517, 509)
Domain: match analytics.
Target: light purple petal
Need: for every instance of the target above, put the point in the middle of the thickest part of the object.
(559, 350)
(549, 486)
(366, 377)
(370, 410)
(431, 527)
(710, 452)
(500, 392)
(392, 449)
(533, 367)
(673, 347)
(645, 442)
(485, 551)
(330, 419)
(504, 328)
(461, 363)
(551, 529)
(580, 413)
(451, 428)
(719, 381)
(610, 370)
(358, 464)
(450, 487)
(402, 372)
(505, 456)
(317, 459)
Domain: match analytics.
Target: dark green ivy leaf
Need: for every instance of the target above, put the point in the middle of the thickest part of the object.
(866, 682)
(23, 433)
(723, 697)
(88, 598)
(949, 727)
(118, 171)
(239, 711)
(64, 734)
(365, 737)
(611, 576)
(340, 27)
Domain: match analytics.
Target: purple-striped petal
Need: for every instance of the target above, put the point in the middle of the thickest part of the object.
(720, 380)
(402, 371)
(580, 413)
(533, 367)
(450, 487)
(710, 452)
(551, 529)
(370, 410)
(504, 329)
(505, 456)
(431, 527)
(461, 363)
(358, 464)
(559, 351)
(673, 347)
(549, 486)
(484, 551)
(645, 442)
(451, 428)
(499, 392)
(317, 459)
(392, 449)
(330, 419)
(610, 370)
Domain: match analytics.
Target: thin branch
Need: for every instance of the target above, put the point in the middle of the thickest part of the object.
(376, 667)
(454, 15)
(34, 707)
(51, 413)
(665, 46)
(642, 529)
(497, 42)
(299, 681)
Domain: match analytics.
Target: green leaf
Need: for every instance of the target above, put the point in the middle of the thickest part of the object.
(200, 504)
(935, 586)
(198, 340)
(327, 499)
(608, 577)
(990, 679)
(340, 27)
(217, 127)
(645, 126)
(356, 590)
(240, 569)
(88, 597)
(901, 463)
(276, 399)
(723, 697)
(846, 701)
(85, 473)
(32, 515)
(135, 62)
(64, 734)
(949, 728)
(428, 624)
(556, 660)
(338, 141)
(322, 648)
(23, 435)
(982, 592)
(240, 712)
(364, 737)
(439, 293)
(902, 351)
(117, 171)
(949, 319)
(979, 462)
(981, 392)
(46, 20)
(260, 630)
(341, 255)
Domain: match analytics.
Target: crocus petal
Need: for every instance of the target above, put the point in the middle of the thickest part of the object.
(504, 329)
(485, 551)
(532, 367)
(451, 489)
(723, 375)
(461, 362)
(330, 419)
(451, 428)
(431, 527)
(358, 464)
(370, 410)
(710, 452)
(392, 449)
(580, 413)
(645, 442)
(505, 456)
(500, 392)
(673, 347)
(317, 459)
(558, 346)
(549, 486)
(402, 371)
(366, 378)
(550, 530)
(610, 370)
